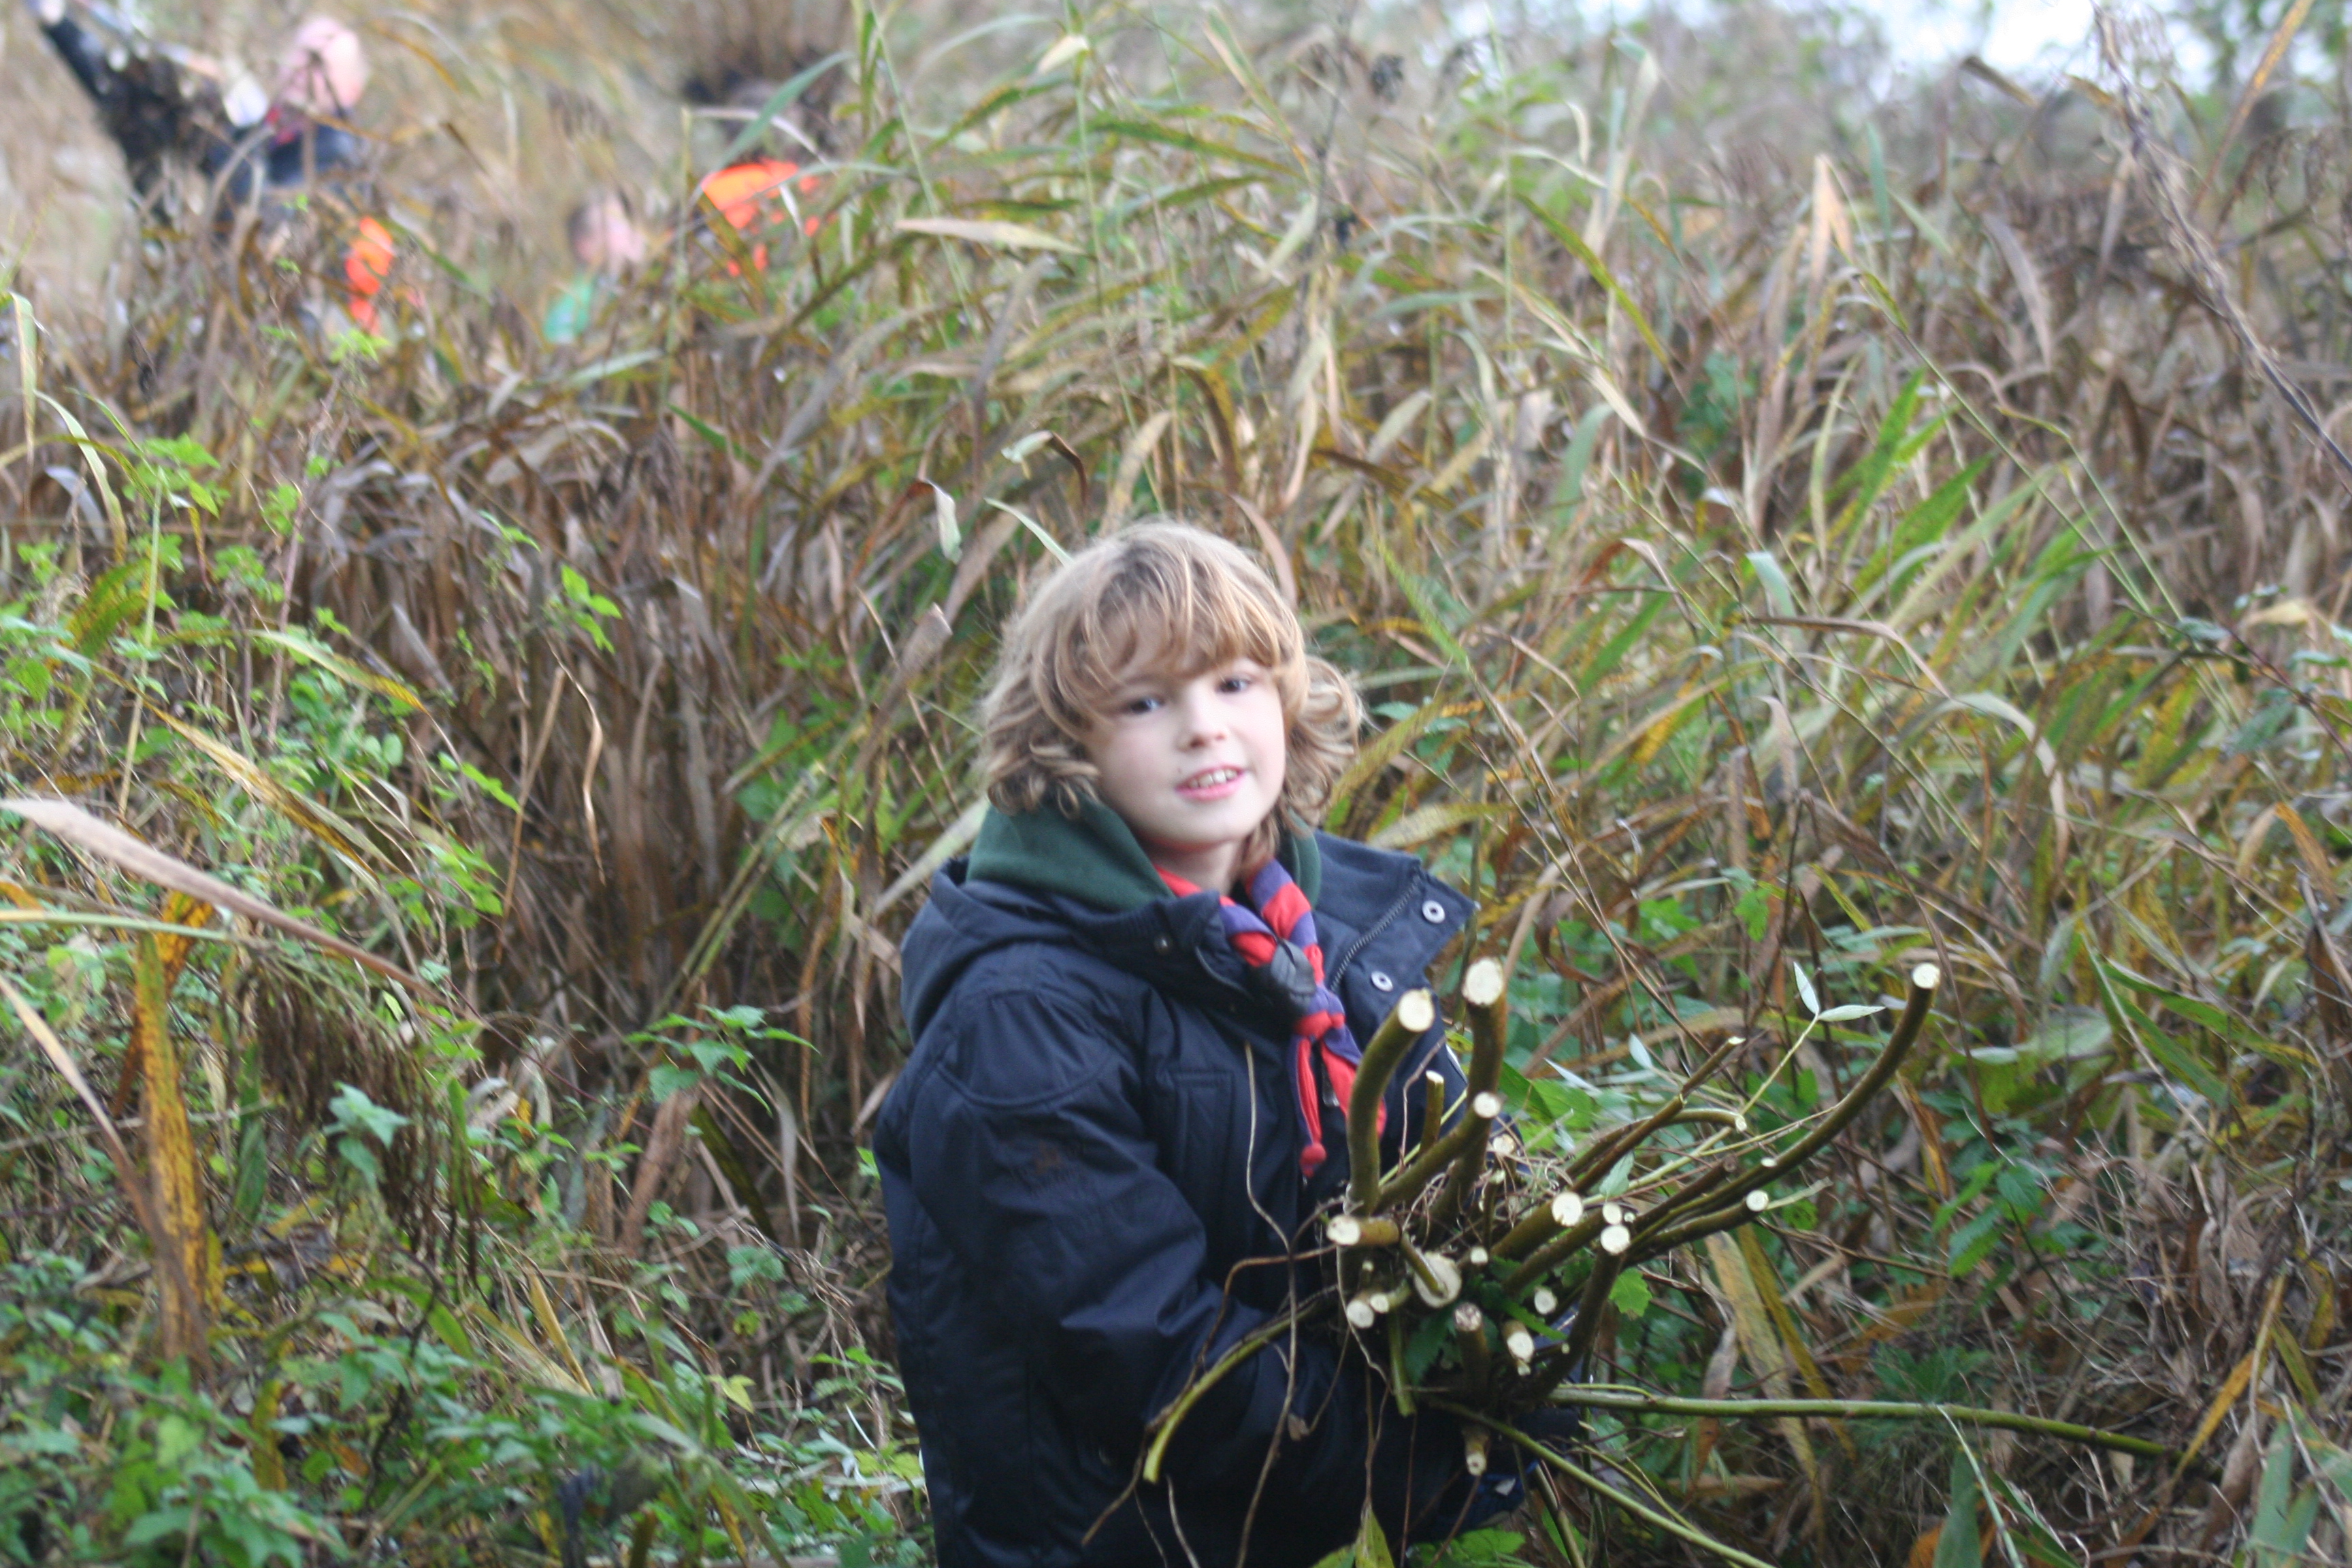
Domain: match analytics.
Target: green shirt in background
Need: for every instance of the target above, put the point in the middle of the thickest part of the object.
(574, 310)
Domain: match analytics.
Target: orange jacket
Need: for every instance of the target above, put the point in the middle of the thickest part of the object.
(751, 197)
(366, 265)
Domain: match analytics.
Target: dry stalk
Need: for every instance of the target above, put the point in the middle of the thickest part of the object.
(2194, 249)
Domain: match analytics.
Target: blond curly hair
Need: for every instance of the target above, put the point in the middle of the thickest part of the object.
(1157, 589)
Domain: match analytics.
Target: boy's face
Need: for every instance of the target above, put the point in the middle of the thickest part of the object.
(609, 240)
(1193, 763)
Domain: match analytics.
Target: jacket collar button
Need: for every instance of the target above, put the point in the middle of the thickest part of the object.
(1381, 981)
(1434, 912)
(1163, 942)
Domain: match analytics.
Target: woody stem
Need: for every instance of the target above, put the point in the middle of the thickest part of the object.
(1415, 1010)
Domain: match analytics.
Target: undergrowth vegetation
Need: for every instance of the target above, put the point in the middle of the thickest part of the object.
(1768, 574)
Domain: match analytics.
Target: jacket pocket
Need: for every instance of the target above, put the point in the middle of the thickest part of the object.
(1198, 1143)
(1200, 1147)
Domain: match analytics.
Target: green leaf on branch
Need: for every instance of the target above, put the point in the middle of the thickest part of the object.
(668, 1081)
(1973, 1243)
(1429, 1340)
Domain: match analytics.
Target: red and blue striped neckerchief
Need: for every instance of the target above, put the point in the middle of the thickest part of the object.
(1283, 917)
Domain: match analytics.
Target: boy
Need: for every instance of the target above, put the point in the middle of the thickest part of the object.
(606, 242)
(1126, 1097)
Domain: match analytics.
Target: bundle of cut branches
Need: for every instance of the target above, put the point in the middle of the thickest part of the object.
(1475, 1270)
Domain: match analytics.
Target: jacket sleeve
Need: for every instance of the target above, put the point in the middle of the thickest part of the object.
(84, 57)
(150, 106)
(1036, 1163)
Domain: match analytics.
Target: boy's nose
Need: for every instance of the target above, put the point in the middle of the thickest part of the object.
(1203, 720)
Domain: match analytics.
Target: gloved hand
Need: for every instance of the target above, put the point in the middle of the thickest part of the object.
(1504, 1486)
(1509, 1468)
(1557, 1426)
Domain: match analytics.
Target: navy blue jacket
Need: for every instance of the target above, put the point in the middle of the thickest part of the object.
(1091, 1167)
(154, 109)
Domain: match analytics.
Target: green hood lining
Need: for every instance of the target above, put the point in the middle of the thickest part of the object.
(1096, 858)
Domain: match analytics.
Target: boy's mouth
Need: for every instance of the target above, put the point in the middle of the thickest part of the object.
(1211, 783)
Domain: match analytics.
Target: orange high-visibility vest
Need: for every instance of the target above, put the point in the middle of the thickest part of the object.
(750, 196)
(366, 265)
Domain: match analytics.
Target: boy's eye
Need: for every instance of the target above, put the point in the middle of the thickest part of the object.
(1138, 705)
(1236, 683)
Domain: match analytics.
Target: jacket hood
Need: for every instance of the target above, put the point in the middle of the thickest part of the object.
(1084, 883)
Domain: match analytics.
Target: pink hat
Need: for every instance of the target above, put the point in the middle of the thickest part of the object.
(323, 69)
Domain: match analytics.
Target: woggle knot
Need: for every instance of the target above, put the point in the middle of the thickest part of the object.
(1286, 980)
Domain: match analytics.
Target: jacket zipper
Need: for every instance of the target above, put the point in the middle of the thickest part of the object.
(1377, 926)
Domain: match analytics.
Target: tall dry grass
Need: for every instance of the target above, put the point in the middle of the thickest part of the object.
(1774, 558)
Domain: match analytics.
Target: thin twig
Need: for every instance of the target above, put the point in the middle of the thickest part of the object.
(1677, 1527)
(1865, 1409)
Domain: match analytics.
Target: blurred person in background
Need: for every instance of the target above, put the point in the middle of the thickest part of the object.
(321, 72)
(605, 242)
(367, 267)
(743, 65)
(755, 199)
(162, 104)
(302, 140)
